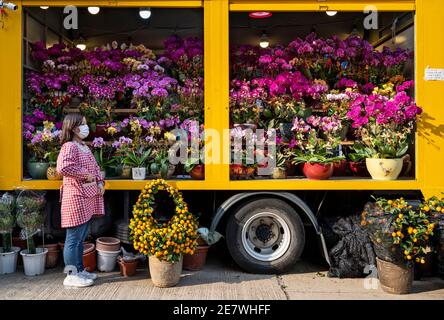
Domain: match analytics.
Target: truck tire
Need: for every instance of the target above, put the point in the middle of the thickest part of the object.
(265, 236)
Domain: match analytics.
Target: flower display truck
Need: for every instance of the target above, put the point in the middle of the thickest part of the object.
(347, 98)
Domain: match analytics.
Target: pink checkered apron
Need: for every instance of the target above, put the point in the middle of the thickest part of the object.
(80, 200)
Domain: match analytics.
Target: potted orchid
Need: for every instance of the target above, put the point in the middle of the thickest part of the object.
(385, 127)
(103, 153)
(42, 143)
(316, 141)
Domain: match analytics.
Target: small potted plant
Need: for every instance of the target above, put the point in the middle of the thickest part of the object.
(138, 160)
(8, 253)
(434, 208)
(103, 153)
(400, 236)
(196, 260)
(52, 173)
(385, 125)
(42, 142)
(195, 168)
(357, 158)
(164, 243)
(30, 217)
(316, 142)
(280, 170)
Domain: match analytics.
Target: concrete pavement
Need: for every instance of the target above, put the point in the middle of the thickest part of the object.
(219, 280)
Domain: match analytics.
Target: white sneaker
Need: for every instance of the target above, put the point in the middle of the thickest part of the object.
(74, 280)
(87, 275)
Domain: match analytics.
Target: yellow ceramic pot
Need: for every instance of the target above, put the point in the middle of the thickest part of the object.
(384, 169)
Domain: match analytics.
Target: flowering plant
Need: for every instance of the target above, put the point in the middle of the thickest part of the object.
(44, 142)
(103, 153)
(316, 139)
(398, 228)
(167, 241)
(384, 124)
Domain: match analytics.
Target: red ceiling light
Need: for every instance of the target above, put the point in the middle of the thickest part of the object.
(260, 14)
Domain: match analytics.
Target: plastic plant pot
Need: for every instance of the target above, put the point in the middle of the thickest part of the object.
(34, 264)
(8, 260)
(106, 260)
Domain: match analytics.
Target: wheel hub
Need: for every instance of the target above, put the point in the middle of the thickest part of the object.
(264, 233)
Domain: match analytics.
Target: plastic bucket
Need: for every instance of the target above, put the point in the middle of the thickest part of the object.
(106, 260)
(34, 264)
(8, 260)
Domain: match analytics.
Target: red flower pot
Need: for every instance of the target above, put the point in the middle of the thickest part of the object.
(196, 261)
(318, 171)
(198, 172)
(340, 168)
(236, 170)
(359, 169)
(89, 257)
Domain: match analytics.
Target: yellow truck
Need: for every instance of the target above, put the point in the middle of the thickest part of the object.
(262, 218)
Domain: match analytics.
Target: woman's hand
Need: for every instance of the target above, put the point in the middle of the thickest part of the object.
(102, 188)
(90, 178)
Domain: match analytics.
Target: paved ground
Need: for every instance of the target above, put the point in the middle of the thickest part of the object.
(219, 280)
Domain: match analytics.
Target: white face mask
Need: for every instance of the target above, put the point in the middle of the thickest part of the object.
(83, 131)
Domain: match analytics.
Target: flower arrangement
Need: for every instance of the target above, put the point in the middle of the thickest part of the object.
(103, 153)
(399, 232)
(316, 139)
(43, 143)
(384, 125)
(167, 241)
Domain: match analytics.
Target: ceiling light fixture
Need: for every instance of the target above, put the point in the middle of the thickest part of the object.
(145, 13)
(264, 42)
(94, 10)
(331, 13)
(81, 43)
(260, 14)
(44, 7)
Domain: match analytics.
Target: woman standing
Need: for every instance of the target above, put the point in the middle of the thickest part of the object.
(81, 196)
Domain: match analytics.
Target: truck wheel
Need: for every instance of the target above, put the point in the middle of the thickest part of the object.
(265, 236)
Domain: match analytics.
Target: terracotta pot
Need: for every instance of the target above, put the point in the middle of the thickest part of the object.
(395, 278)
(52, 258)
(89, 257)
(53, 174)
(198, 172)
(236, 171)
(358, 169)
(384, 169)
(165, 274)
(196, 261)
(107, 244)
(340, 168)
(317, 171)
(128, 268)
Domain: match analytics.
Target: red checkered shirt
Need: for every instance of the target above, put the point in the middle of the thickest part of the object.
(80, 200)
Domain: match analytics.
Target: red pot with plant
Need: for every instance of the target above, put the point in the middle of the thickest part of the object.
(318, 171)
(358, 169)
(340, 168)
(198, 172)
(236, 170)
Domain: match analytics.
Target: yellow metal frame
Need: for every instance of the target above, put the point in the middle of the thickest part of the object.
(429, 52)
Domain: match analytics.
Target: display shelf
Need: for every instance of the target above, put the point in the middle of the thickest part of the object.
(336, 183)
